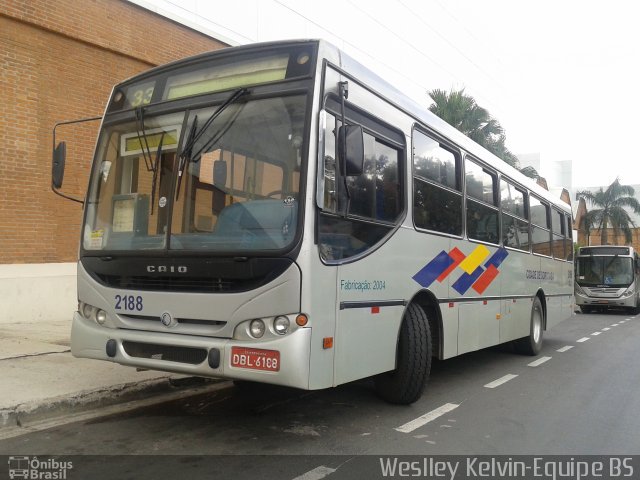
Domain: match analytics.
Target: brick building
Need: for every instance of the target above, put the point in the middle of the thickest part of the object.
(58, 61)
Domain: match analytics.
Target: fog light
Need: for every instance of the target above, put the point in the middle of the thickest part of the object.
(101, 317)
(257, 328)
(88, 310)
(281, 325)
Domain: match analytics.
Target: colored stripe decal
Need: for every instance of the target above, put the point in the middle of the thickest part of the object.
(466, 280)
(432, 270)
(497, 258)
(485, 279)
(457, 257)
(473, 261)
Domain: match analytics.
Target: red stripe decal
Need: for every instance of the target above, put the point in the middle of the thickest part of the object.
(457, 257)
(485, 279)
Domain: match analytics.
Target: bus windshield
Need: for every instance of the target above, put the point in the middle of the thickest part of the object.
(235, 189)
(610, 271)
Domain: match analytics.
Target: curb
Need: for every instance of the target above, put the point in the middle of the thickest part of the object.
(24, 414)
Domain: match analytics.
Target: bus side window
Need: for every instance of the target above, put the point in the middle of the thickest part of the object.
(437, 194)
(515, 225)
(482, 211)
(375, 201)
(540, 226)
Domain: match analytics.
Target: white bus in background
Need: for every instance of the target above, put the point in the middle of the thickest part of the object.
(607, 276)
(278, 213)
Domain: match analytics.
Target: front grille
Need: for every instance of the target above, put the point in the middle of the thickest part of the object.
(169, 353)
(186, 321)
(177, 284)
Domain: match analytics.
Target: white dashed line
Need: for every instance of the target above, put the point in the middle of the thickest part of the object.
(583, 339)
(606, 329)
(595, 334)
(564, 349)
(500, 381)
(316, 474)
(540, 361)
(615, 324)
(426, 418)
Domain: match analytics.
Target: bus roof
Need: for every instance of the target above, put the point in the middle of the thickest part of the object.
(362, 74)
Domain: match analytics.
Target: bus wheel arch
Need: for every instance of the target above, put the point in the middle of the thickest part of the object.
(405, 384)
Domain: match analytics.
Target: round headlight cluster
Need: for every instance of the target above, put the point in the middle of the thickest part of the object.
(92, 313)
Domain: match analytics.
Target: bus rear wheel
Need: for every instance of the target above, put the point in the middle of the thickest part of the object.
(405, 384)
(532, 343)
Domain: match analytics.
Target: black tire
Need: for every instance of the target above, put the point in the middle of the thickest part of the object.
(585, 309)
(532, 343)
(405, 384)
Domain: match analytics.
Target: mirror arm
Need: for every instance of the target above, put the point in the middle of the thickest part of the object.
(344, 93)
(68, 122)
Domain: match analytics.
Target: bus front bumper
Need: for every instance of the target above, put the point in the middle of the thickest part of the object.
(586, 301)
(195, 355)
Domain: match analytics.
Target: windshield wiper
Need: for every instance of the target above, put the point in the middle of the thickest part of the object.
(142, 135)
(156, 167)
(186, 155)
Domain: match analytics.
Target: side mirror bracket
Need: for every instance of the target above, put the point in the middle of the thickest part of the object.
(59, 155)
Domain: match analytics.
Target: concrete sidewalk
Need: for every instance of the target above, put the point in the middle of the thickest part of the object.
(40, 378)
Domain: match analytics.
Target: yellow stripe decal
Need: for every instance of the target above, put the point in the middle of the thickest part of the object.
(474, 260)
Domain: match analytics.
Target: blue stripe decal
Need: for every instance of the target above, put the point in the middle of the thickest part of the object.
(497, 258)
(432, 270)
(466, 280)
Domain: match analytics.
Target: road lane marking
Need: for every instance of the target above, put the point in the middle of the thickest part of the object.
(583, 339)
(426, 418)
(564, 349)
(595, 334)
(540, 361)
(316, 474)
(606, 329)
(615, 324)
(500, 381)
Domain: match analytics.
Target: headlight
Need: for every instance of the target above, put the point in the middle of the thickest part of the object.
(281, 325)
(257, 328)
(88, 311)
(101, 317)
(579, 290)
(628, 292)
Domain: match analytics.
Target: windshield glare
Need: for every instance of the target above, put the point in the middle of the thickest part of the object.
(238, 189)
(609, 271)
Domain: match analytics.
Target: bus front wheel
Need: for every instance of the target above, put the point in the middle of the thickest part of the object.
(532, 343)
(405, 384)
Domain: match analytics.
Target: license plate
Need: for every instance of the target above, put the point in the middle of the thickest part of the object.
(603, 302)
(255, 359)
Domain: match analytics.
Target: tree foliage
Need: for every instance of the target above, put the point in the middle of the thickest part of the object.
(461, 111)
(610, 210)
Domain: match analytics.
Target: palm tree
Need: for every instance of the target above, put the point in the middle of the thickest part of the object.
(461, 111)
(610, 211)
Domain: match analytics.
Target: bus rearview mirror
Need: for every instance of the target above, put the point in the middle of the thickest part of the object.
(57, 167)
(351, 151)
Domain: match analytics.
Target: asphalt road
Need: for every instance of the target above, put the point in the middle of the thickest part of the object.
(580, 396)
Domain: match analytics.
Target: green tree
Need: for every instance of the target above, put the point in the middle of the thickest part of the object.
(610, 210)
(461, 111)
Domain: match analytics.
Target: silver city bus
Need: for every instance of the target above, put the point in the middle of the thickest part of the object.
(607, 276)
(278, 213)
